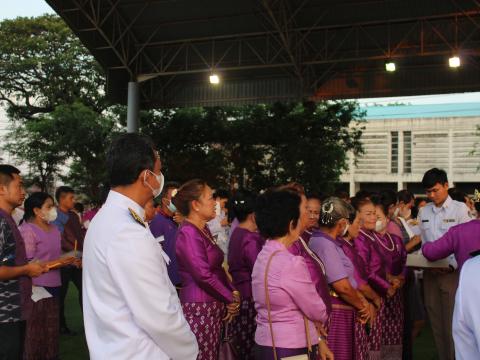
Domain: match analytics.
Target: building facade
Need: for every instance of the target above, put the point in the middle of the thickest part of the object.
(402, 142)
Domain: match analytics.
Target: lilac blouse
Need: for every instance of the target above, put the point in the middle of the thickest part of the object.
(338, 266)
(316, 268)
(375, 264)
(360, 274)
(292, 295)
(243, 250)
(44, 246)
(200, 267)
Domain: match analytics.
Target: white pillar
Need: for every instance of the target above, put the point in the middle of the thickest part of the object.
(133, 107)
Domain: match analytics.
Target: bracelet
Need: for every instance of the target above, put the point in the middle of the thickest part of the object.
(320, 338)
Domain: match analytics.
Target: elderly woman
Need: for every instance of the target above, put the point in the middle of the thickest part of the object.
(244, 246)
(350, 310)
(393, 251)
(206, 294)
(286, 300)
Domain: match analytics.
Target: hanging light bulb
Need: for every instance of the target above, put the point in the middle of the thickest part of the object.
(390, 66)
(214, 79)
(454, 62)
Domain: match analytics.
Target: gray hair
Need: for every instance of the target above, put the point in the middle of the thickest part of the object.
(333, 210)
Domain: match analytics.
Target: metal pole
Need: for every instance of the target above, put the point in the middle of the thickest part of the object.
(133, 107)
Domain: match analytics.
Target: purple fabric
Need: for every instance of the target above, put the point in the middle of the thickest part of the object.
(337, 265)
(90, 214)
(200, 267)
(459, 240)
(394, 229)
(266, 352)
(375, 265)
(394, 253)
(243, 250)
(292, 296)
(360, 274)
(316, 269)
(162, 225)
(392, 333)
(242, 330)
(25, 282)
(44, 246)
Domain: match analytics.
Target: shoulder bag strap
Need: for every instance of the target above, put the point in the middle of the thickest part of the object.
(267, 300)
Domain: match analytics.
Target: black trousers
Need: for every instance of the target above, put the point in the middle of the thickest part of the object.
(12, 339)
(73, 274)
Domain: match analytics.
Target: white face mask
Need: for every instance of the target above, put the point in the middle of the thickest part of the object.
(406, 213)
(396, 212)
(218, 208)
(380, 225)
(160, 179)
(50, 215)
(345, 230)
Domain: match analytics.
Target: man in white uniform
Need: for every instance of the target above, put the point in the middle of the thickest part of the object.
(466, 317)
(440, 286)
(131, 309)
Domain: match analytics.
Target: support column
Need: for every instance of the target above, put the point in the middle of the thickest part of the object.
(133, 107)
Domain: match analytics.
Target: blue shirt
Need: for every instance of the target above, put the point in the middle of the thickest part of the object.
(61, 220)
(163, 225)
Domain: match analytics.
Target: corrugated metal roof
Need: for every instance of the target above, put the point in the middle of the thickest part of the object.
(422, 111)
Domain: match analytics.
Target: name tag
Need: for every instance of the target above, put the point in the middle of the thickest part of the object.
(448, 220)
(425, 221)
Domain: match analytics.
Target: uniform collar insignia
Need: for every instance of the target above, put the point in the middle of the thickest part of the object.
(137, 218)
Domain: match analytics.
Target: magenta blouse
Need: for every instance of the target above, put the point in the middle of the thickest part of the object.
(375, 264)
(44, 246)
(200, 266)
(243, 250)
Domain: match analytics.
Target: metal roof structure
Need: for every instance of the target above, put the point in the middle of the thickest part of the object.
(269, 50)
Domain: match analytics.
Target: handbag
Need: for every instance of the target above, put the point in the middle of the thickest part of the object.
(227, 350)
(311, 354)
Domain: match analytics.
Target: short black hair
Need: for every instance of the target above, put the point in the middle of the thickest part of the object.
(6, 173)
(457, 194)
(434, 176)
(405, 196)
(127, 157)
(342, 194)
(243, 204)
(222, 194)
(34, 201)
(63, 190)
(79, 207)
(385, 199)
(362, 194)
(169, 185)
(274, 211)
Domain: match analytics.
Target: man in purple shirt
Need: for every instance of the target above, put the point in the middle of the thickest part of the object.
(164, 225)
(460, 240)
(15, 272)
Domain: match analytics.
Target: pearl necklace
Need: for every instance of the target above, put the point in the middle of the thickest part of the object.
(379, 241)
(313, 255)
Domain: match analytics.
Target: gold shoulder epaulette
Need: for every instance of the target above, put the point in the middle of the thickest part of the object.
(137, 218)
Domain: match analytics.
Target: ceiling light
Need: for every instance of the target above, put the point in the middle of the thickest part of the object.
(454, 62)
(214, 79)
(390, 66)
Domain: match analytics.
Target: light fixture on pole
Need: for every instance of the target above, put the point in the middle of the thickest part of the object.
(390, 66)
(454, 62)
(214, 79)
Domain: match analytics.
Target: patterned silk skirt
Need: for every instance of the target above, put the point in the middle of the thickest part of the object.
(375, 336)
(243, 330)
(347, 338)
(43, 331)
(205, 320)
(392, 334)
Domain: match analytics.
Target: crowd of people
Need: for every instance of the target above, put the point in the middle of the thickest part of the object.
(170, 271)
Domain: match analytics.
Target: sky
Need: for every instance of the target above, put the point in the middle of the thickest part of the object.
(12, 9)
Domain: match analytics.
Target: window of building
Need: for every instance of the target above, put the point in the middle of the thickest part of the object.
(394, 152)
(407, 152)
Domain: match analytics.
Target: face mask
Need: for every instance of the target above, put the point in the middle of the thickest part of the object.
(397, 211)
(345, 230)
(406, 213)
(380, 225)
(171, 207)
(218, 209)
(160, 180)
(50, 215)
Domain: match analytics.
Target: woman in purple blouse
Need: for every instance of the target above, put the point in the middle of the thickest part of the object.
(206, 294)
(42, 243)
(244, 246)
(287, 303)
(375, 268)
(393, 251)
(350, 310)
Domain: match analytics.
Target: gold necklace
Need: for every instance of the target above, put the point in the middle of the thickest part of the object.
(204, 233)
